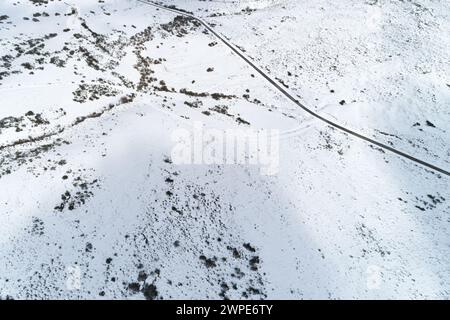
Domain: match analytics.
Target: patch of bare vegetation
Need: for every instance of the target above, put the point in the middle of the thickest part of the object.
(181, 26)
(94, 91)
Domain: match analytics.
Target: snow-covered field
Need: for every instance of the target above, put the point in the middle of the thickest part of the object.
(93, 204)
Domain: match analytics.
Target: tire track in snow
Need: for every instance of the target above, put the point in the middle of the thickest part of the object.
(292, 98)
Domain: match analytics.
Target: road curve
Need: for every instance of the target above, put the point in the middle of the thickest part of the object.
(292, 98)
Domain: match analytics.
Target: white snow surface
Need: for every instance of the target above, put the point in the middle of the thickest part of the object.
(93, 207)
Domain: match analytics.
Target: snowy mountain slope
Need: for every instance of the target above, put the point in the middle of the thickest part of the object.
(378, 67)
(93, 206)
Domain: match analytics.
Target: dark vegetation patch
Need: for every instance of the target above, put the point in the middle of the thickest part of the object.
(30, 119)
(79, 194)
(222, 110)
(329, 143)
(57, 61)
(282, 82)
(37, 227)
(123, 100)
(181, 26)
(193, 94)
(144, 63)
(242, 121)
(373, 244)
(194, 104)
(178, 9)
(163, 87)
(34, 48)
(10, 160)
(40, 2)
(94, 91)
(90, 59)
(143, 285)
(150, 291)
(430, 202)
(249, 247)
(209, 262)
(430, 124)
(27, 66)
(218, 96)
(246, 96)
(10, 122)
(215, 96)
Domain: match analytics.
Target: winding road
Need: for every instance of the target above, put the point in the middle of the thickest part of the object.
(288, 95)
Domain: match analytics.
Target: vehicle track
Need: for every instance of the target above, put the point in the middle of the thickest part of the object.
(291, 97)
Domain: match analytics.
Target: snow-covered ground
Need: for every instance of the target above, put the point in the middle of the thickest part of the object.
(93, 205)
